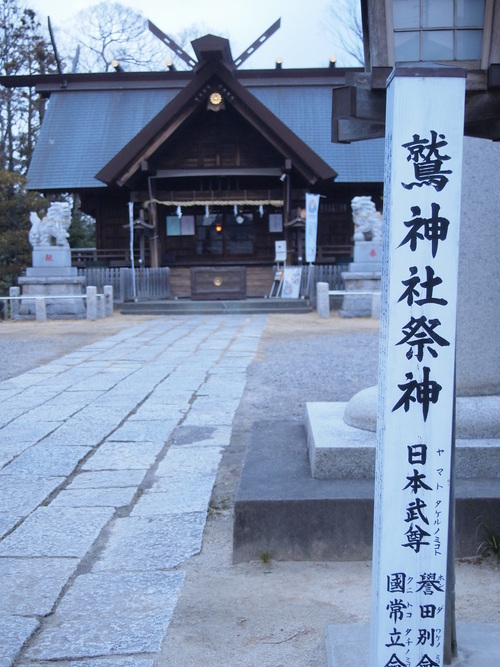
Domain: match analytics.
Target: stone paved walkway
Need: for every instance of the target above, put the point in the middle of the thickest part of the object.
(108, 456)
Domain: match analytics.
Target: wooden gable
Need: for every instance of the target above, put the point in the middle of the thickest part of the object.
(216, 140)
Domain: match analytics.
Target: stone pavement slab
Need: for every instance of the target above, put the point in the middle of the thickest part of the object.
(124, 455)
(29, 432)
(8, 521)
(156, 410)
(52, 411)
(95, 497)
(83, 431)
(14, 632)
(105, 487)
(30, 586)
(130, 612)
(57, 532)
(202, 436)
(20, 495)
(152, 542)
(96, 662)
(102, 479)
(135, 430)
(177, 499)
(48, 461)
(185, 461)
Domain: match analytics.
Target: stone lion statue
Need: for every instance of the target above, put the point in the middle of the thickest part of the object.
(367, 220)
(54, 226)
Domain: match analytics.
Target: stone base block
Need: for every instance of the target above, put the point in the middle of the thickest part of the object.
(362, 267)
(476, 417)
(69, 287)
(368, 253)
(46, 272)
(281, 510)
(339, 451)
(360, 287)
(51, 257)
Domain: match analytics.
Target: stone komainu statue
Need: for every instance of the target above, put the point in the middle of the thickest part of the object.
(367, 220)
(55, 226)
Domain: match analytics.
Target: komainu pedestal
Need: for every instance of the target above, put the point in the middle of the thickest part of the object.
(51, 273)
(362, 280)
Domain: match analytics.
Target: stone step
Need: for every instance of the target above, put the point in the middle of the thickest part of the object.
(339, 451)
(244, 306)
(283, 512)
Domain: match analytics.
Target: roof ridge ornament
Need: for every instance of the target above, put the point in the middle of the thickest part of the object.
(171, 44)
(206, 47)
(258, 42)
(56, 54)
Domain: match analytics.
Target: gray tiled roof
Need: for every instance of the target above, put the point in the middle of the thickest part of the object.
(83, 130)
(308, 113)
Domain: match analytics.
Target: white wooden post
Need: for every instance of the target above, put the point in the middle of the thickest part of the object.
(424, 137)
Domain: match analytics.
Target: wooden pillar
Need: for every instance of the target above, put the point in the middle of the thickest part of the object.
(154, 248)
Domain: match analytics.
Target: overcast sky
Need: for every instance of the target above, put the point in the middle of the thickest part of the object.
(302, 41)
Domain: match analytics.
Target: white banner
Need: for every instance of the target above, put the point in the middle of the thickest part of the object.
(131, 226)
(312, 206)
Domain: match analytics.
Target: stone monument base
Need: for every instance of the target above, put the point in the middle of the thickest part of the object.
(362, 298)
(341, 438)
(367, 257)
(52, 260)
(71, 287)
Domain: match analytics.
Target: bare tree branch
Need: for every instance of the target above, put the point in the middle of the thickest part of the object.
(100, 34)
(105, 32)
(344, 25)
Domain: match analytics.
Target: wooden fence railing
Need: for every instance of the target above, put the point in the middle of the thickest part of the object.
(155, 283)
(114, 258)
(142, 284)
(322, 273)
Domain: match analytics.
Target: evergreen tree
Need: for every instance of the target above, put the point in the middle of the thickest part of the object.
(23, 50)
(15, 207)
(82, 228)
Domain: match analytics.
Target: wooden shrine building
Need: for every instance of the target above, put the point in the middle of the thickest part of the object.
(216, 160)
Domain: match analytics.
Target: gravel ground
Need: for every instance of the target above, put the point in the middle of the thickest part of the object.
(304, 358)
(270, 614)
(273, 614)
(26, 343)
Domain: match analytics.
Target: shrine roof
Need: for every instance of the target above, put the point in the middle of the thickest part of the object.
(90, 119)
(83, 130)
